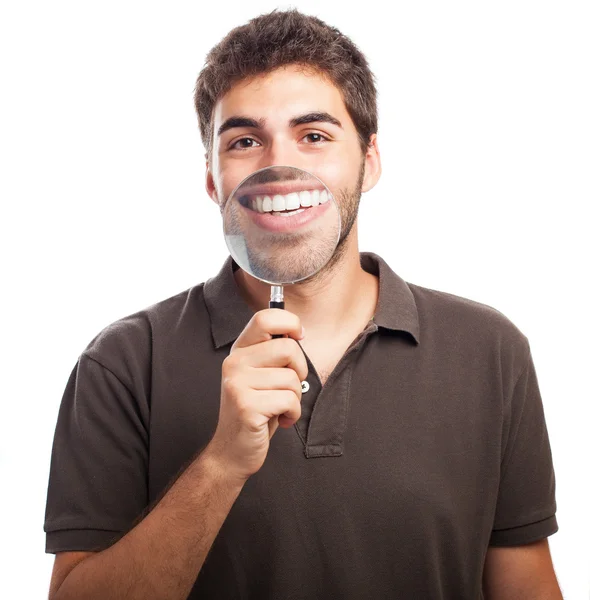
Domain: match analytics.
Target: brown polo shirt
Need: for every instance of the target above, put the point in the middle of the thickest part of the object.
(427, 444)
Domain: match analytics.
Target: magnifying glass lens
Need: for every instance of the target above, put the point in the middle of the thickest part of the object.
(281, 224)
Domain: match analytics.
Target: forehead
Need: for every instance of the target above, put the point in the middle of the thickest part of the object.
(280, 94)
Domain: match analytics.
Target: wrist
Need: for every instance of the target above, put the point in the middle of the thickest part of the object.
(218, 469)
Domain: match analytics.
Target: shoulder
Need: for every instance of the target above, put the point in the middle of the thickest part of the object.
(453, 306)
(474, 327)
(128, 342)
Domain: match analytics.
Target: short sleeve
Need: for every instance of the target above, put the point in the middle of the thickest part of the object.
(99, 461)
(526, 507)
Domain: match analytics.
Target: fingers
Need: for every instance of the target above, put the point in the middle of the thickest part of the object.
(267, 322)
(280, 352)
(275, 379)
(278, 403)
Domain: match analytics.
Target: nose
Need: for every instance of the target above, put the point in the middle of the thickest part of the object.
(281, 152)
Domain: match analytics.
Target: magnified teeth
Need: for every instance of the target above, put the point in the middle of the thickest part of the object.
(305, 198)
(291, 201)
(278, 203)
(266, 204)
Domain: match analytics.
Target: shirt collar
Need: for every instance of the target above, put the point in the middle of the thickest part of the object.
(229, 313)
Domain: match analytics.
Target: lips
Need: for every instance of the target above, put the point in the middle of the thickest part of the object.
(280, 188)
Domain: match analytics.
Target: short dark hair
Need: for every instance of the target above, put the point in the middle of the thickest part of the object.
(282, 38)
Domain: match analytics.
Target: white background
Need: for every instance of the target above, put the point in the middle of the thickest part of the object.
(484, 133)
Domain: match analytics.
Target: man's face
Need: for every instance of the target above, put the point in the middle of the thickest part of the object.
(295, 118)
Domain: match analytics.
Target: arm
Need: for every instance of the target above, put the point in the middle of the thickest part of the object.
(516, 572)
(161, 557)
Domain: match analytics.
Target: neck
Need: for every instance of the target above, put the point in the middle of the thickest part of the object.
(340, 293)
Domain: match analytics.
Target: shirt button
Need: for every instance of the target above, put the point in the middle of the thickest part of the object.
(304, 386)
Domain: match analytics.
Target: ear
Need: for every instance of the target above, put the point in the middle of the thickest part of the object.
(209, 183)
(372, 164)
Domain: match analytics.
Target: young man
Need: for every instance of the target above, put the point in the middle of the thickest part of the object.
(416, 463)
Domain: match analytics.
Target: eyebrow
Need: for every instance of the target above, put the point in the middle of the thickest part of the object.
(312, 117)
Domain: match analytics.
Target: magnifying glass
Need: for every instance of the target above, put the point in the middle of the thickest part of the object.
(281, 225)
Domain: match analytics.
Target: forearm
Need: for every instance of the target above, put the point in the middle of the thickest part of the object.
(162, 555)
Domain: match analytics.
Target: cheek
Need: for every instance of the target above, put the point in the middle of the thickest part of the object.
(227, 181)
(339, 174)
(228, 175)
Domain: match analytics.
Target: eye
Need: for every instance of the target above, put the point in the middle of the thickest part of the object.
(234, 146)
(317, 135)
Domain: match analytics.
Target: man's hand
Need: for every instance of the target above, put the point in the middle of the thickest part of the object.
(260, 391)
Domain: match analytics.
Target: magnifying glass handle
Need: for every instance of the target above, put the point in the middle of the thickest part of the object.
(276, 301)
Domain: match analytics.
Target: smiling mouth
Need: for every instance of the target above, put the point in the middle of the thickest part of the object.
(287, 204)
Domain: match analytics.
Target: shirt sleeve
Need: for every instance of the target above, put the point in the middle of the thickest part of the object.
(525, 507)
(99, 462)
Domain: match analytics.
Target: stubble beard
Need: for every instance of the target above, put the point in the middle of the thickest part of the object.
(348, 203)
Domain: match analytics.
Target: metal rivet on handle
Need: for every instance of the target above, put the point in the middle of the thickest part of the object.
(304, 386)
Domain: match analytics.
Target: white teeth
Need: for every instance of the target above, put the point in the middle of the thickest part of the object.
(266, 204)
(305, 198)
(292, 201)
(278, 203)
